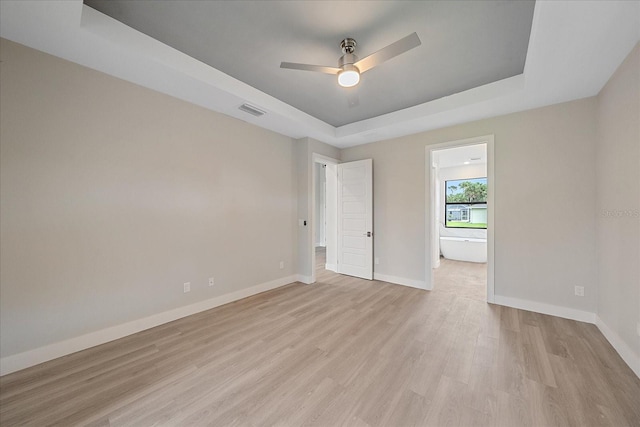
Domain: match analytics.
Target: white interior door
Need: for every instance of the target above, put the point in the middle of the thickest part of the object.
(355, 219)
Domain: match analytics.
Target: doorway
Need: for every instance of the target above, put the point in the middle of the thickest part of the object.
(460, 194)
(324, 229)
(344, 193)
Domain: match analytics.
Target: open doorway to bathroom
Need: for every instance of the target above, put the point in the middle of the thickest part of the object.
(460, 218)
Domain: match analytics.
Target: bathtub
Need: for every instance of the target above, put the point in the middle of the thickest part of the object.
(468, 249)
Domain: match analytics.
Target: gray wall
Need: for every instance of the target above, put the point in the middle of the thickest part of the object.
(544, 202)
(114, 195)
(618, 201)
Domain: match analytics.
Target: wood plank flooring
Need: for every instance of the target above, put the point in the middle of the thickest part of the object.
(341, 352)
(465, 279)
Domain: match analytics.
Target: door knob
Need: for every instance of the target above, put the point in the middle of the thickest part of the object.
(369, 234)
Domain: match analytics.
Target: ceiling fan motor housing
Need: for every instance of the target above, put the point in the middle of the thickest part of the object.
(348, 45)
(347, 59)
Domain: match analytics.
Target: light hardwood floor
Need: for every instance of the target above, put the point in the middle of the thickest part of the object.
(341, 352)
(465, 279)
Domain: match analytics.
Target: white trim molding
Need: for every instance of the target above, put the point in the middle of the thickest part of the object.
(331, 267)
(311, 191)
(307, 280)
(419, 284)
(543, 308)
(630, 357)
(33, 357)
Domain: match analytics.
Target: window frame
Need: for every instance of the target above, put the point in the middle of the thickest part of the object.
(468, 204)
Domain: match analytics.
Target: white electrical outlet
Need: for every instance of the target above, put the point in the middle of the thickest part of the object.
(281, 265)
(187, 287)
(376, 260)
(211, 282)
(579, 291)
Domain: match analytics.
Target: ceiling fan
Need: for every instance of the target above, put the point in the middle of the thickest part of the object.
(349, 67)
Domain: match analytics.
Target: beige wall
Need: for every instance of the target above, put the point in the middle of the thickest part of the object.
(114, 195)
(544, 202)
(618, 202)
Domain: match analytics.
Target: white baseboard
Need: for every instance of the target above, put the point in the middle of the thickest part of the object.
(331, 267)
(630, 357)
(420, 284)
(553, 310)
(307, 280)
(33, 357)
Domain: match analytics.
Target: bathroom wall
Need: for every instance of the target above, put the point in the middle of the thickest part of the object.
(458, 172)
(477, 170)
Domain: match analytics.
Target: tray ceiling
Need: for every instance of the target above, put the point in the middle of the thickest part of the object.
(573, 49)
(465, 44)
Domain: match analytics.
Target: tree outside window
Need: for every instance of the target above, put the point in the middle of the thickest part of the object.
(466, 203)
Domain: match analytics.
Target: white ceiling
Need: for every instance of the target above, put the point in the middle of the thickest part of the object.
(466, 44)
(574, 48)
(460, 156)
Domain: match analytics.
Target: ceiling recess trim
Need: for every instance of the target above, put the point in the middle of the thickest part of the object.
(574, 48)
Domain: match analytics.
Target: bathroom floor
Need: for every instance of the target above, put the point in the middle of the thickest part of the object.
(465, 279)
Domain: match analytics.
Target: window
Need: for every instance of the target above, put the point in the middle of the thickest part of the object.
(466, 203)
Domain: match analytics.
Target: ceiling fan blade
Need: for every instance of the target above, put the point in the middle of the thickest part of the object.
(308, 67)
(386, 53)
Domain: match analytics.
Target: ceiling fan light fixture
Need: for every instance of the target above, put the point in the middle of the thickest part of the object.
(350, 67)
(349, 76)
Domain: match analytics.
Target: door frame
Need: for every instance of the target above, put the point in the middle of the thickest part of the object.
(316, 158)
(430, 207)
